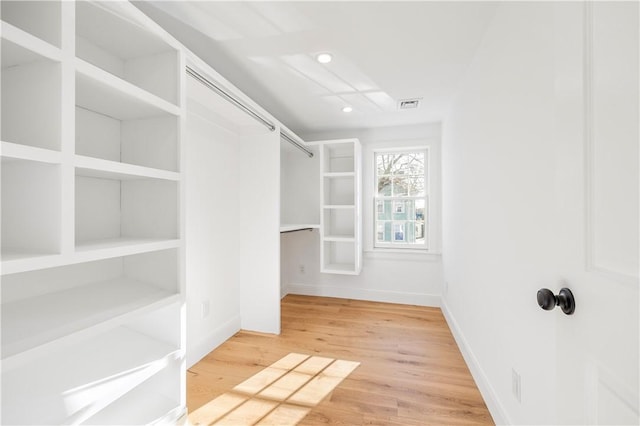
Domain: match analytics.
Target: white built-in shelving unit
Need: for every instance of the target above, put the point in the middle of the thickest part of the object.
(340, 203)
(92, 291)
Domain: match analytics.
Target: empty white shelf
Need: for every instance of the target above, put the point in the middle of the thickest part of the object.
(14, 261)
(339, 174)
(339, 238)
(100, 372)
(100, 91)
(99, 168)
(139, 407)
(341, 268)
(338, 206)
(296, 227)
(116, 247)
(32, 322)
(18, 151)
(19, 47)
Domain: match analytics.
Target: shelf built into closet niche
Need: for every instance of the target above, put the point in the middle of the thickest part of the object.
(92, 332)
(30, 208)
(31, 89)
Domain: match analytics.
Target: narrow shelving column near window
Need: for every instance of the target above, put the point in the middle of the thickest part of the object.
(340, 202)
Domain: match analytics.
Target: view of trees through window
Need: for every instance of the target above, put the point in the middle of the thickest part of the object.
(401, 199)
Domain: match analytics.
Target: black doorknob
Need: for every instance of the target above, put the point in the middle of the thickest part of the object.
(547, 300)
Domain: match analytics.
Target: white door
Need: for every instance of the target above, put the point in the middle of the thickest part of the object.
(597, 209)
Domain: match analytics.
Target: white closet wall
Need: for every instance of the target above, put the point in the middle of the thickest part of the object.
(212, 205)
(92, 289)
(259, 231)
(299, 188)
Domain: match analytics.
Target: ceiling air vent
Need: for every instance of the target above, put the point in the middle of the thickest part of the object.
(409, 103)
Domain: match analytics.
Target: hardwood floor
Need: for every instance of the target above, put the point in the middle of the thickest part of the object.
(411, 370)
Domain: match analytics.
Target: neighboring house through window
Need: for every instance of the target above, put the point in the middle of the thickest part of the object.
(401, 198)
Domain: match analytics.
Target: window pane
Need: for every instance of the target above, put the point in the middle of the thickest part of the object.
(400, 186)
(384, 185)
(411, 163)
(416, 186)
(420, 232)
(405, 209)
(400, 163)
(383, 209)
(420, 211)
(383, 163)
(381, 232)
(399, 232)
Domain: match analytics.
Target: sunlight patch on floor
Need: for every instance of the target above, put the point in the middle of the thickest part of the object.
(281, 394)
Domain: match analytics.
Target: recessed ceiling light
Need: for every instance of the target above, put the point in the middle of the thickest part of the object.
(324, 58)
(347, 109)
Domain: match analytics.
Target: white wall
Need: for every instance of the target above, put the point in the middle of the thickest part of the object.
(212, 246)
(299, 186)
(258, 230)
(386, 276)
(498, 224)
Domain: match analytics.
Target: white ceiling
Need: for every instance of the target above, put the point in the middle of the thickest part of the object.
(382, 52)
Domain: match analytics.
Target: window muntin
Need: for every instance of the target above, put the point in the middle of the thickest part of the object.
(401, 199)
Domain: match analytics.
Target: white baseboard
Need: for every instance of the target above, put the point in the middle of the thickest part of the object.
(419, 299)
(197, 351)
(496, 409)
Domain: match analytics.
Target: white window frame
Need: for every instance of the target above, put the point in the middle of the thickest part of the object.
(378, 245)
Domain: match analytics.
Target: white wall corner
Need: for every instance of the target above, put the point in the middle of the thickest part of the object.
(489, 394)
(218, 336)
(284, 291)
(406, 298)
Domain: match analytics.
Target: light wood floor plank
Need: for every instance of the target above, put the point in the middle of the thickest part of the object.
(411, 372)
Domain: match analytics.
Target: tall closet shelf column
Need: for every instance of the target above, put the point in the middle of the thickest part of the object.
(31, 43)
(340, 195)
(92, 283)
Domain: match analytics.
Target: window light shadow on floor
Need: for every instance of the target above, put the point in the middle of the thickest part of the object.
(281, 394)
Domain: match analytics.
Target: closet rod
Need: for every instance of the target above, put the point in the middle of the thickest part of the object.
(208, 83)
(295, 143)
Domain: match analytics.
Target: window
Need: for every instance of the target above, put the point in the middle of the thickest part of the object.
(401, 199)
